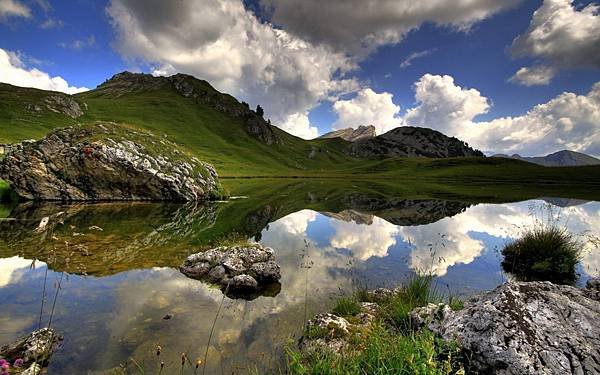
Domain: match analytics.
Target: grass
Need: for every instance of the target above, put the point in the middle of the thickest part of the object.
(346, 306)
(215, 138)
(6, 194)
(545, 253)
(391, 345)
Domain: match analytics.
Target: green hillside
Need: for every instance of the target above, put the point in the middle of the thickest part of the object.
(156, 105)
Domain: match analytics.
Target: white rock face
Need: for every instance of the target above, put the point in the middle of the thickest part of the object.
(67, 166)
(525, 328)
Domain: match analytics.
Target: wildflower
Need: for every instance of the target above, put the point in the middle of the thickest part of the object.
(158, 349)
(18, 362)
(4, 365)
(198, 363)
(183, 359)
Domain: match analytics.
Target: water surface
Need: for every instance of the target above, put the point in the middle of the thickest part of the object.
(116, 265)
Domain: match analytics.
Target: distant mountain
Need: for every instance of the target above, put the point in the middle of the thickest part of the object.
(408, 141)
(564, 158)
(351, 134)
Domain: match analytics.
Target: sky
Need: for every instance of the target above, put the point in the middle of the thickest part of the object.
(511, 76)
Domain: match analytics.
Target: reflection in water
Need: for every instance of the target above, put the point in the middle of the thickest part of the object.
(132, 250)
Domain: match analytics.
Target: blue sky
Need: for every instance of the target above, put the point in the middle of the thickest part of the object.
(89, 41)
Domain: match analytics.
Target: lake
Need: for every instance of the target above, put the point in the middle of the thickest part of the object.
(110, 270)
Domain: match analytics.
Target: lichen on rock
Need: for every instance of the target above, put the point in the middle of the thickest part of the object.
(524, 328)
(104, 162)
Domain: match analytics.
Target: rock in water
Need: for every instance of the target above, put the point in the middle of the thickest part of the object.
(106, 162)
(525, 328)
(37, 347)
(243, 271)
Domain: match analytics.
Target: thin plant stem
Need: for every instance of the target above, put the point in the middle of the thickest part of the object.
(55, 298)
(43, 297)
(213, 327)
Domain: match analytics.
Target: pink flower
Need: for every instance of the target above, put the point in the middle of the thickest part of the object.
(18, 362)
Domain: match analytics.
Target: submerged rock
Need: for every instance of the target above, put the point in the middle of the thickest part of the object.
(105, 162)
(242, 271)
(525, 328)
(33, 349)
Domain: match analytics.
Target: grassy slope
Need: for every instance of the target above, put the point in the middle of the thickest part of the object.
(223, 142)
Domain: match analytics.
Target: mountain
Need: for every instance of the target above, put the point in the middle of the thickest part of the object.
(408, 141)
(564, 158)
(218, 129)
(351, 134)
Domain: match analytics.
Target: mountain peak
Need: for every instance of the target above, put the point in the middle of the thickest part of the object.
(562, 158)
(352, 135)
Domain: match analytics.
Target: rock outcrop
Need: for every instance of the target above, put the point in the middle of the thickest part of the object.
(104, 162)
(241, 271)
(408, 141)
(352, 135)
(525, 328)
(63, 104)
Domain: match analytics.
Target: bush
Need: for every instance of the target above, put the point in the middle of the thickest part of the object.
(543, 253)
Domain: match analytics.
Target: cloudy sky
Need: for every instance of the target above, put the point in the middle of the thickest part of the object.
(512, 76)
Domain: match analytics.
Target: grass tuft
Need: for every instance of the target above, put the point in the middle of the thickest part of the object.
(346, 306)
(546, 253)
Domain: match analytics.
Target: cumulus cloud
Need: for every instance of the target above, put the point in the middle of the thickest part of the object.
(368, 108)
(299, 125)
(569, 121)
(562, 35)
(13, 8)
(359, 26)
(534, 76)
(14, 72)
(445, 106)
(222, 42)
(364, 241)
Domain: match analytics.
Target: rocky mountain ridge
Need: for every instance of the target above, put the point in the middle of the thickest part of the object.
(408, 141)
(564, 158)
(351, 134)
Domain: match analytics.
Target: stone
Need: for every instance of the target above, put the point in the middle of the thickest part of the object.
(524, 328)
(243, 283)
(266, 271)
(98, 163)
(241, 271)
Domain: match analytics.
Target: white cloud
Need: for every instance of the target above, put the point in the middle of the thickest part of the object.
(299, 125)
(13, 8)
(568, 121)
(562, 35)
(445, 106)
(222, 42)
(52, 23)
(78, 44)
(14, 72)
(295, 223)
(368, 108)
(364, 241)
(413, 56)
(10, 269)
(534, 76)
(359, 26)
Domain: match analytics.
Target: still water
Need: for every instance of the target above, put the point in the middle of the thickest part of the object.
(115, 269)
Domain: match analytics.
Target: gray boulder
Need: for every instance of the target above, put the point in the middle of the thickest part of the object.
(106, 162)
(524, 328)
(241, 271)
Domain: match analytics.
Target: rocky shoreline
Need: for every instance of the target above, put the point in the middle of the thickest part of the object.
(517, 328)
